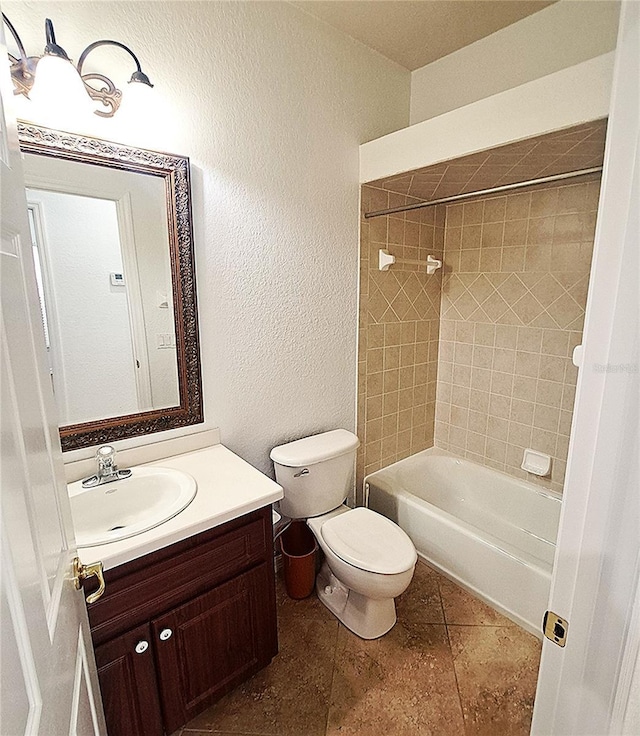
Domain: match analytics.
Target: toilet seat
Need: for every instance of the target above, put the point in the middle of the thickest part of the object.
(369, 541)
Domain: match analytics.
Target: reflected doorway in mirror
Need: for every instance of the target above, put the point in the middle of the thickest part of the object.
(92, 290)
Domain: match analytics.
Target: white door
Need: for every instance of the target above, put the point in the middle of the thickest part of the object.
(48, 674)
(585, 688)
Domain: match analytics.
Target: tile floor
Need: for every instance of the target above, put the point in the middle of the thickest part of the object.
(450, 666)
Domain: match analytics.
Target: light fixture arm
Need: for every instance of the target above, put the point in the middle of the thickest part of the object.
(52, 48)
(107, 42)
(16, 38)
(23, 70)
(108, 95)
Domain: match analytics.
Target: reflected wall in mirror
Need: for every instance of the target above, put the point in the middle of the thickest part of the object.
(112, 239)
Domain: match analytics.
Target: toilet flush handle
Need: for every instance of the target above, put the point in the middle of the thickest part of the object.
(304, 471)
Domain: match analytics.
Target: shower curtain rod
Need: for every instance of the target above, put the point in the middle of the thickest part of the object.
(481, 192)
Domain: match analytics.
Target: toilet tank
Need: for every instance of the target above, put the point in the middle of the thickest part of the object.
(315, 472)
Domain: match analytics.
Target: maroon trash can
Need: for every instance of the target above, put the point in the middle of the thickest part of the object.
(299, 550)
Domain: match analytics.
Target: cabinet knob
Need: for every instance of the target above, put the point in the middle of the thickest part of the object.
(141, 647)
(165, 634)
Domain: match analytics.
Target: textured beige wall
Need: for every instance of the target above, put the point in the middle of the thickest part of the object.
(513, 300)
(271, 115)
(399, 319)
(560, 36)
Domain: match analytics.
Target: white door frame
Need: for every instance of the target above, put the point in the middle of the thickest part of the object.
(584, 688)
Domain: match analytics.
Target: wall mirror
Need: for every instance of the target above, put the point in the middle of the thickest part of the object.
(112, 239)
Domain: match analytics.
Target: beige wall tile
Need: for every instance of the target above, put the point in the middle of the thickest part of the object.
(477, 422)
(502, 383)
(529, 339)
(521, 411)
(499, 406)
(480, 378)
(513, 259)
(476, 443)
(482, 357)
(544, 202)
(492, 234)
(373, 407)
(479, 400)
(490, 259)
(518, 206)
(471, 237)
(568, 229)
(484, 334)
(506, 336)
(547, 418)
(375, 336)
(454, 215)
(470, 260)
(495, 209)
(572, 199)
(472, 212)
(524, 387)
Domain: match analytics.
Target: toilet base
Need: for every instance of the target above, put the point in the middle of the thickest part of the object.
(366, 617)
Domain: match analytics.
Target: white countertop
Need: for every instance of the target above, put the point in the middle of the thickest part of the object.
(228, 487)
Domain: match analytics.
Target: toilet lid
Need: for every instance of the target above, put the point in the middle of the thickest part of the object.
(369, 541)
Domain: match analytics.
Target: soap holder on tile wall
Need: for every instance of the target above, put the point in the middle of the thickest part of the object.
(536, 462)
(385, 259)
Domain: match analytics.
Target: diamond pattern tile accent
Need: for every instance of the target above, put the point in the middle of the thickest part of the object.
(512, 289)
(482, 288)
(548, 289)
(527, 308)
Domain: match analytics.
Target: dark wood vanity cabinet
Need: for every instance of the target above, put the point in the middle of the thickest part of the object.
(180, 627)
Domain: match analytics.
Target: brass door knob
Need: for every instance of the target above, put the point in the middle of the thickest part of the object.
(83, 572)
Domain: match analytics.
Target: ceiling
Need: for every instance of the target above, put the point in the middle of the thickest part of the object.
(572, 149)
(416, 32)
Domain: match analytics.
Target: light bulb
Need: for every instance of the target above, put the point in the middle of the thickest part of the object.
(59, 96)
(138, 102)
(138, 94)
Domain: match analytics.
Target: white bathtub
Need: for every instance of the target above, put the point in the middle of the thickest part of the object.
(493, 534)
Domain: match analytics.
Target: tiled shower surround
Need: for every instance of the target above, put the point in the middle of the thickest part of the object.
(500, 320)
(399, 322)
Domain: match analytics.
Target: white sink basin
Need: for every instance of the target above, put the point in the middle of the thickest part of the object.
(124, 508)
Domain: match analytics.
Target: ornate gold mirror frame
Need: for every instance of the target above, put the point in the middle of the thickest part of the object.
(175, 172)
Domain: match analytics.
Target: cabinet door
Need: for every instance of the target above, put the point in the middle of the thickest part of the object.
(209, 645)
(127, 675)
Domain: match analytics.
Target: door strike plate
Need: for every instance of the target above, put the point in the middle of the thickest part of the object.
(555, 628)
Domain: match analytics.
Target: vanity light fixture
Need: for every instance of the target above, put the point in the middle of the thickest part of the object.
(53, 74)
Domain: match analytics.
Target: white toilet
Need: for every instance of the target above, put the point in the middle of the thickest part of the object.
(369, 559)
